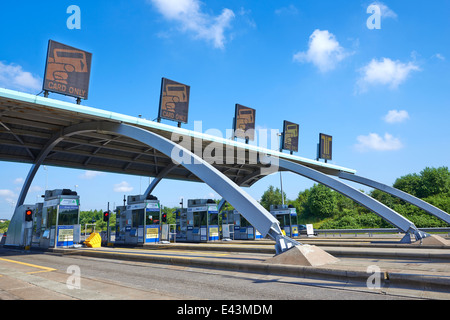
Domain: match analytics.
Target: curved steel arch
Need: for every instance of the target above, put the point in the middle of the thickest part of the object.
(266, 224)
(373, 205)
(158, 179)
(399, 194)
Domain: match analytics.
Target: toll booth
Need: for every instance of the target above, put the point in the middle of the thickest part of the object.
(287, 217)
(181, 224)
(243, 230)
(202, 221)
(56, 222)
(139, 222)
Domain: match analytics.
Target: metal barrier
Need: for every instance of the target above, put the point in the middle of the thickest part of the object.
(372, 231)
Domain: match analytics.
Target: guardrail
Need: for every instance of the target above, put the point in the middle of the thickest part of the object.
(370, 232)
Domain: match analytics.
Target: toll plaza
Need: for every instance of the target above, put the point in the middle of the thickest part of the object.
(139, 222)
(287, 217)
(43, 131)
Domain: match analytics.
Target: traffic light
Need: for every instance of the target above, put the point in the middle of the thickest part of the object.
(106, 216)
(164, 217)
(29, 215)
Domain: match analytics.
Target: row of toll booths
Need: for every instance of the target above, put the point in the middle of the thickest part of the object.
(141, 221)
(200, 223)
(56, 222)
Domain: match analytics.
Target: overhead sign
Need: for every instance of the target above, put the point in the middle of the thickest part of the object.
(174, 101)
(325, 147)
(244, 122)
(67, 70)
(290, 136)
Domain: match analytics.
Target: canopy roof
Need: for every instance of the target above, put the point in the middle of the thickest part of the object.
(27, 123)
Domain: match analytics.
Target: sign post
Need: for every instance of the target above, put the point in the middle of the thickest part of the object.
(290, 136)
(325, 149)
(174, 101)
(244, 123)
(67, 71)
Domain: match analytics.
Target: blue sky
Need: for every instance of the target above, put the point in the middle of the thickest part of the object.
(383, 94)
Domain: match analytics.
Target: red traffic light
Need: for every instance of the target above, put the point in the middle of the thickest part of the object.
(29, 215)
(106, 216)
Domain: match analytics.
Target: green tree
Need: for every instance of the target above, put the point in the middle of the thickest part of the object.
(434, 181)
(430, 182)
(4, 226)
(271, 196)
(171, 219)
(321, 202)
(409, 183)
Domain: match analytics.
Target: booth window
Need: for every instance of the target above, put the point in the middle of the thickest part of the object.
(68, 216)
(245, 223)
(284, 219)
(200, 218)
(152, 218)
(137, 218)
(213, 219)
(51, 216)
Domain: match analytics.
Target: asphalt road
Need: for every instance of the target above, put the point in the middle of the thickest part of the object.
(48, 276)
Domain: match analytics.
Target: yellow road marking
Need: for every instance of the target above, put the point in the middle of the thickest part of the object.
(195, 252)
(148, 255)
(187, 252)
(44, 269)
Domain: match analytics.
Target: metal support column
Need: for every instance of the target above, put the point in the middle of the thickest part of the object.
(373, 205)
(158, 179)
(399, 194)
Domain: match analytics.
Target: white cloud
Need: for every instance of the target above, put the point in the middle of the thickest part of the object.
(385, 72)
(396, 116)
(374, 142)
(289, 10)
(8, 195)
(36, 189)
(439, 56)
(211, 195)
(188, 14)
(88, 175)
(324, 51)
(123, 187)
(13, 77)
(386, 12)
(18, 181)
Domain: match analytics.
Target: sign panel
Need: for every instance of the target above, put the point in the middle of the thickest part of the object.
(325, 147)
(174, 101)
(244, 122)
(290, 136)
(65, 236)
(309, 230)
(67, 70)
